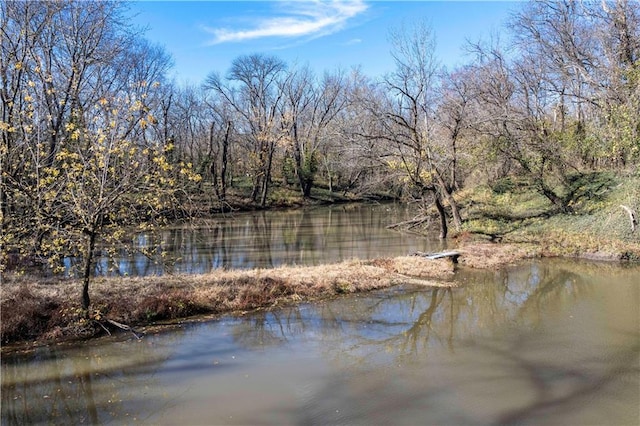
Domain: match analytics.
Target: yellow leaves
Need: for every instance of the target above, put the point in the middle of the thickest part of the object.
(136, 106)
(67, 155)
(426, 177)
(162, 163)
(52, 171)
(6, 127)
(186, 170)
(17, 65)
(75, 135)
(50, 195)
(393, 164)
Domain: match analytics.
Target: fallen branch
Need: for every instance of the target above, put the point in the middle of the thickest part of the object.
(124, 327)
(410, 223)
(452, 255)
(632, 217)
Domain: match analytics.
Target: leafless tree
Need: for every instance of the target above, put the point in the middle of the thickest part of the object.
(252, 88)
(411, 119)
(308, 112)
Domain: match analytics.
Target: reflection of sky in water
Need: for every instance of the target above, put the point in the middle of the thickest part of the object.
(267, 239)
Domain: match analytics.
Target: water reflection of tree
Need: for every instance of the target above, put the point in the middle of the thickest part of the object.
(409, 322)
(561, 388)
(265, 239)
(474, 316)
(271, 328)
(81, 385)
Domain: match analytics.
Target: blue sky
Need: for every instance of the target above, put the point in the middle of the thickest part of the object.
(205, 36)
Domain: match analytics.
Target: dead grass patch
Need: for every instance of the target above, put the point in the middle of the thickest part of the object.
(488, 255)
(38, 310)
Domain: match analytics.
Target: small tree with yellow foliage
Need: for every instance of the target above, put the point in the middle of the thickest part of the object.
(103, 181)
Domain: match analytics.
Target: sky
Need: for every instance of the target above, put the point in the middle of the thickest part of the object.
(206, 36)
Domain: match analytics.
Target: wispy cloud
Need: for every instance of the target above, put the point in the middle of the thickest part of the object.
(353, 41)
(302, 19)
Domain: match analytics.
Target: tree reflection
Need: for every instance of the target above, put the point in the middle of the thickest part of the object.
(410, 321)
(394, 355)
(308, 236)
(80, 385)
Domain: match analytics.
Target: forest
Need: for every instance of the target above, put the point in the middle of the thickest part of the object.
(97, 141)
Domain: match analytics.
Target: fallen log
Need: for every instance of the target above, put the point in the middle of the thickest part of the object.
(453, 255)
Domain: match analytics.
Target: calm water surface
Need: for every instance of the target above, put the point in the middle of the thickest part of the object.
(266, 239)
(546, 342)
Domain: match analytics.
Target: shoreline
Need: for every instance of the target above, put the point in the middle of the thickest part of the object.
(36, 314)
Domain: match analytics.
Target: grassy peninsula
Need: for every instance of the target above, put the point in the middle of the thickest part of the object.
(506, 223)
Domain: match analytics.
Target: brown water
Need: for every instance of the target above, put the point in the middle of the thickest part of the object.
(546, 342)
(266, 239)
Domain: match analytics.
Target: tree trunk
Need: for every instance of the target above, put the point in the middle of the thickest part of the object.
(444, 230)
(214, 167)
(88, 261)
(223, 169)
(307, 184)
(267, 176)
(555, 199)
(448, 195)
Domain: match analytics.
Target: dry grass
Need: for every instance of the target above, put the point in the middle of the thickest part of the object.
(487, 255)
(33, 310)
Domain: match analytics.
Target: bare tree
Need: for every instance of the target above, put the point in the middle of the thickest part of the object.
(411, 121)
(253, 90)
(309, 109)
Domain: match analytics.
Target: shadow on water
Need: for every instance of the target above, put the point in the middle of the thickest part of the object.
(544, 343)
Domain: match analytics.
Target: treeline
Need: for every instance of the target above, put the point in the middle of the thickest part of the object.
(95, 139)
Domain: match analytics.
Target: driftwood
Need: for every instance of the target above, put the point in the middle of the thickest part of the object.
(632, 217)
(453, 255)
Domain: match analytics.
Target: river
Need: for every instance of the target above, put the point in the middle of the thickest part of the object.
(542, 342)
(266, 239)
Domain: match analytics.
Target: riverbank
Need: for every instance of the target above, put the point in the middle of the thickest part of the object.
(504, 224)
(34, 310)
(39, 312)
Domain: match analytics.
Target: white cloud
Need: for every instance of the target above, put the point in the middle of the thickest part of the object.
(302, 18)
(353, 41)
